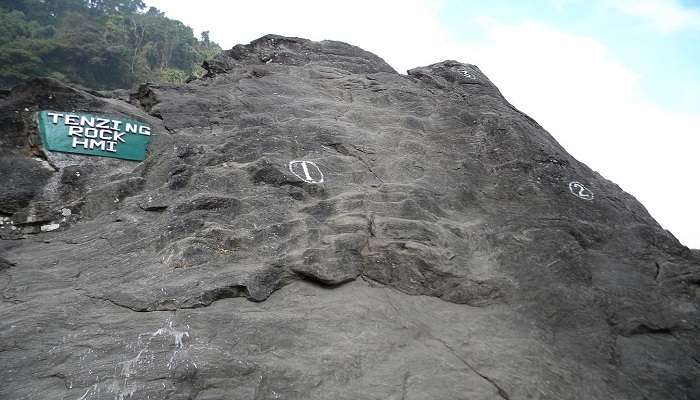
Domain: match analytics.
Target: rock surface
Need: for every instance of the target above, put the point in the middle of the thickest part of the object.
(445, 255)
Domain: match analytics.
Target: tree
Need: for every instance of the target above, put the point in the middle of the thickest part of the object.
(113, 7)
(20, 47)
(81, 52)
(102, 44)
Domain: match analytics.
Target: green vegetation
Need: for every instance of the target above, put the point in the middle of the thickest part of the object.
(101, 44)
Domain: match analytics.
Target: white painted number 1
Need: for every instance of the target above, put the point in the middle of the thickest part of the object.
(301, 169)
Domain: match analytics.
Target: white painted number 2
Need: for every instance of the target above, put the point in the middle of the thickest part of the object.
(578, 190)
(307, 171)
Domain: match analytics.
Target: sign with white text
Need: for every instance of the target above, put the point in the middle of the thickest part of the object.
(94, 135)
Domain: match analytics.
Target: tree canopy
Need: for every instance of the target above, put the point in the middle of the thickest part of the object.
(101, 44)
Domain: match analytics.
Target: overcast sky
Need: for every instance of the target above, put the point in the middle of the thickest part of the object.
(616, 82)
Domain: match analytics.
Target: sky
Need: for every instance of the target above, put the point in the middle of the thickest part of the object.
(616, 82)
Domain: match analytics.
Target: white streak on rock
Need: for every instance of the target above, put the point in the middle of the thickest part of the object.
(169, 330)
(50, 227)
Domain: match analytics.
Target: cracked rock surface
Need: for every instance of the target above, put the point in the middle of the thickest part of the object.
(447, 253)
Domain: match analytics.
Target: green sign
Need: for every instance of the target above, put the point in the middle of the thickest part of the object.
(94, 135)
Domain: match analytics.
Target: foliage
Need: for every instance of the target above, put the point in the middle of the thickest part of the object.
(101, 44)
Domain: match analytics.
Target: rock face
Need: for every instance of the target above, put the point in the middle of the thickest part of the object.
(309, 224)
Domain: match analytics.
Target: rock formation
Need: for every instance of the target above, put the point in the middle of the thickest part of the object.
(310, 224)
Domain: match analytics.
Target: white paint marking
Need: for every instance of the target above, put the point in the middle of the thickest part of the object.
(306, 172)
(580, 191)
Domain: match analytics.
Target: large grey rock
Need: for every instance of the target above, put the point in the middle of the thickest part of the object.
(444, 255)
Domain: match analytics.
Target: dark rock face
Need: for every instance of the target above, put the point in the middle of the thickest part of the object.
(297, 52)
(310, 224)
